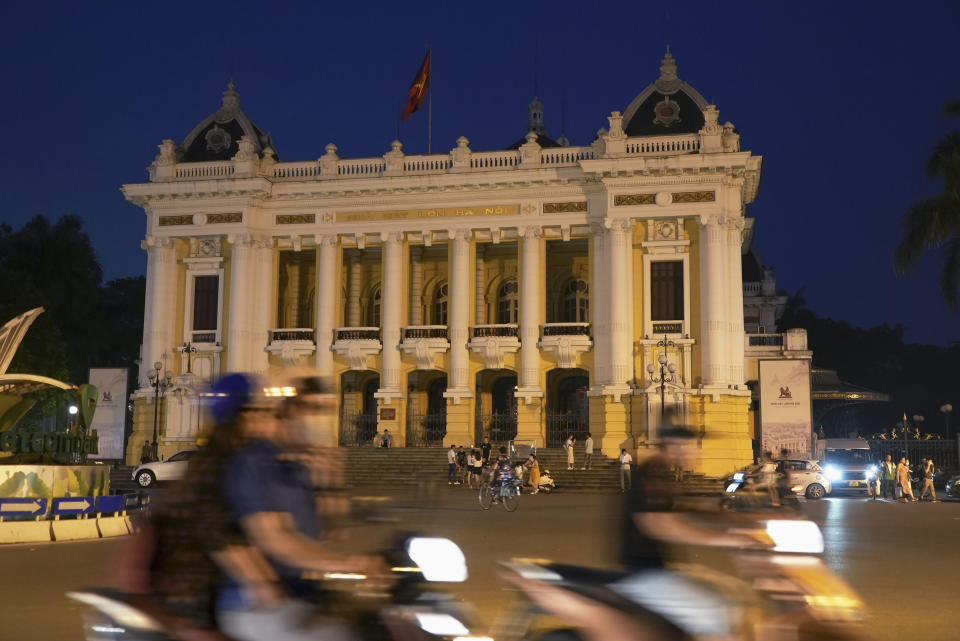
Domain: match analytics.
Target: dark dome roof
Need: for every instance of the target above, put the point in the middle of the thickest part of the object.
(543, 140)
(667, 106)
(216, 137)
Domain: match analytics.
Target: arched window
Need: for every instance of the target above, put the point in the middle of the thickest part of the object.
(576, 301)
(508, 303)
(440, 299)
(373, 309)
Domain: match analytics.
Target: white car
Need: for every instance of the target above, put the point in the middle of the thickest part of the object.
(808, 475)
(172, 469)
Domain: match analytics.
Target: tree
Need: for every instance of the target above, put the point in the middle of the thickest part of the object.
(934, 222)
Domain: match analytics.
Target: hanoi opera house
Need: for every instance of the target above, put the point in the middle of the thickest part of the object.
(523, 294)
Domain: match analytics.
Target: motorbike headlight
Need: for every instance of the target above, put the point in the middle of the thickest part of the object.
(441, 625)
(800, 537)
(738, 476)
(832, 473)
(439, 560)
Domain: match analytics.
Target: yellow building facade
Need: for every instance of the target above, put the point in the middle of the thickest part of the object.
(523, 294)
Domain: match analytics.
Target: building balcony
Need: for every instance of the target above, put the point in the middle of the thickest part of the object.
(566, 342)
(204, 337)
(667, 327)
(358, 345)
(426, 343)
(494, 342)
(292, 345)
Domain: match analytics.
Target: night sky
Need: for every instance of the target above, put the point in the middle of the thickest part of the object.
(842, 99)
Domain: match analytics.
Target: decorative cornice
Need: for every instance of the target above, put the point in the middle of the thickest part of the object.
(563, 208)
(296, 219)
(169, 221)
(694, 197)
(220, 219)
(626, 200)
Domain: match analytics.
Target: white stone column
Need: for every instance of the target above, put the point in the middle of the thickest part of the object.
(599, 306)
(459, 290)
(263, 303)
(530, 301)
(353, 290)
(326, 301)
(713, 322)
(159, 305)
(734, 297)
(390, 314)
(480, 313)
(416, 285)
(621, 303)
(241, 288)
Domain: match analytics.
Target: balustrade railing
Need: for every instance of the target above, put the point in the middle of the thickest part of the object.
(298, 334)
(296, 170)
(751, 289)
(686, 143)
(425, 331)
(356, 334)
(362, 167)
(426, 164)
(566, 329)
(194, 170)
(203, 337)
(566, 155)
(494, 159)
(483, 331)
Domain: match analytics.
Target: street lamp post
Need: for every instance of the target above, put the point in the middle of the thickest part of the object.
(668, 372)
(158, 382)
(945, 410)
(188, 349)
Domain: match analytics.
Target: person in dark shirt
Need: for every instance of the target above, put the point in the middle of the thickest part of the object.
(485, 451)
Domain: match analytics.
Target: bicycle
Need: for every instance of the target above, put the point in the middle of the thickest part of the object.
(507, 491)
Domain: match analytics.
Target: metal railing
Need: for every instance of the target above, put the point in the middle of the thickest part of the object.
(356, 334)
(425, 331)
(482, 331)
(203, 337)
(358, 430)
(943, 452)
(765, 340)
(426, 429)
(291, 335)
(668, 328)
(561, 425)
(500, 427)
(566, 329)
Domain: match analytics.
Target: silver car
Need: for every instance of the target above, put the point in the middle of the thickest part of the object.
(172, 469)
(807, 474)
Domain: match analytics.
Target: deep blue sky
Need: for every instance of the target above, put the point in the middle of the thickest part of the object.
(842, 99)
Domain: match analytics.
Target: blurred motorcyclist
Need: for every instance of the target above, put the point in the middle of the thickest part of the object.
(269, 493)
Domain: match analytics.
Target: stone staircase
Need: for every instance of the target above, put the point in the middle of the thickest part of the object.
(120, 482)
(427, 466)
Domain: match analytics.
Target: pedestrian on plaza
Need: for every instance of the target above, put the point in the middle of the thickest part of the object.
(928, 473)
(569, 447)
(626, 482)
(477, 469)
(386, 440)
(768, 478)
(471, 464)
(588, 452)
(146, 453)
(903, 480)
(485, 451)
(452, 466)
(888, 477)
(461, 465)
(533, 467)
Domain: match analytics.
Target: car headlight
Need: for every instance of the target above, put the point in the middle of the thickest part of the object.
(832, 473)
(872, 471)
(439, 559)
(802, 537)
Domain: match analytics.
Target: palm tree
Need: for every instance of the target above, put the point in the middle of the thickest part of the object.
(934, 222)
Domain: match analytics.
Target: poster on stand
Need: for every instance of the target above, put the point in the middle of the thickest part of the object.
(110, 417)
(786, 413)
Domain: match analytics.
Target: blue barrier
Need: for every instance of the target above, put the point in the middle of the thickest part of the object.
(22, 507)
(72, 506)
(131, 501)
(144, 499)
(109, 504)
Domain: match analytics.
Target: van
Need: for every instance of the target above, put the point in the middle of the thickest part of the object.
(848, 464)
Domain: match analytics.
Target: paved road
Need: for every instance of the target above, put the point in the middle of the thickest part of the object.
(901, 557)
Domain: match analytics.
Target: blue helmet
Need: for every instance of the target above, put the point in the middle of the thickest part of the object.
(229, 394)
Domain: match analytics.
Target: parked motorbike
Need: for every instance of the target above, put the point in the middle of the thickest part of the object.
(776, 589)
(407, 610)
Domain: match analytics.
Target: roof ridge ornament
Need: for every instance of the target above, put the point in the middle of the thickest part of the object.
(668, 82)
(231, 105)
(535, 116)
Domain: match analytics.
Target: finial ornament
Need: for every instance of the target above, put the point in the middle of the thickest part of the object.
(668, 82)
(535, 116)
(231, 105)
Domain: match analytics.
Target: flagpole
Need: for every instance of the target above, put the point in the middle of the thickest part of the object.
(430, 117)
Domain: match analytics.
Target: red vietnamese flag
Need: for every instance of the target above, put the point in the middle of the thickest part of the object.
(418, 89)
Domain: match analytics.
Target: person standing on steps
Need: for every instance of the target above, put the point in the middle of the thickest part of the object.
(626, 482)
(588, 452)
(485, 451)
(534, 467)
(452, 466)
(569, 447)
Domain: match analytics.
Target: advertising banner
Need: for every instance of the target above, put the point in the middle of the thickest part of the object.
(109, 419)
(785, 408)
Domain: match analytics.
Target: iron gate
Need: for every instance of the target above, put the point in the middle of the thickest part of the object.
(358, 430)
(560, 425)
(499, 427)
(426, 429)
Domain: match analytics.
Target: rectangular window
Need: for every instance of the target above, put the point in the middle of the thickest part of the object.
(666, 290)
(206, 294)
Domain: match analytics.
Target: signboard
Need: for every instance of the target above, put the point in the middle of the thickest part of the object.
(72, 505)
(110, 418)
(110, 503)
(22, 507)
(786, 421)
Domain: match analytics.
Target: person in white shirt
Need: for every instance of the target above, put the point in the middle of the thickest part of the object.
(569, 447)
(588, 452)
(452, 466)
(625, 481)
(471, 463)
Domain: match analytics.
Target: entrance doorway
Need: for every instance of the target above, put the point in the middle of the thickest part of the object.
(568, 411)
